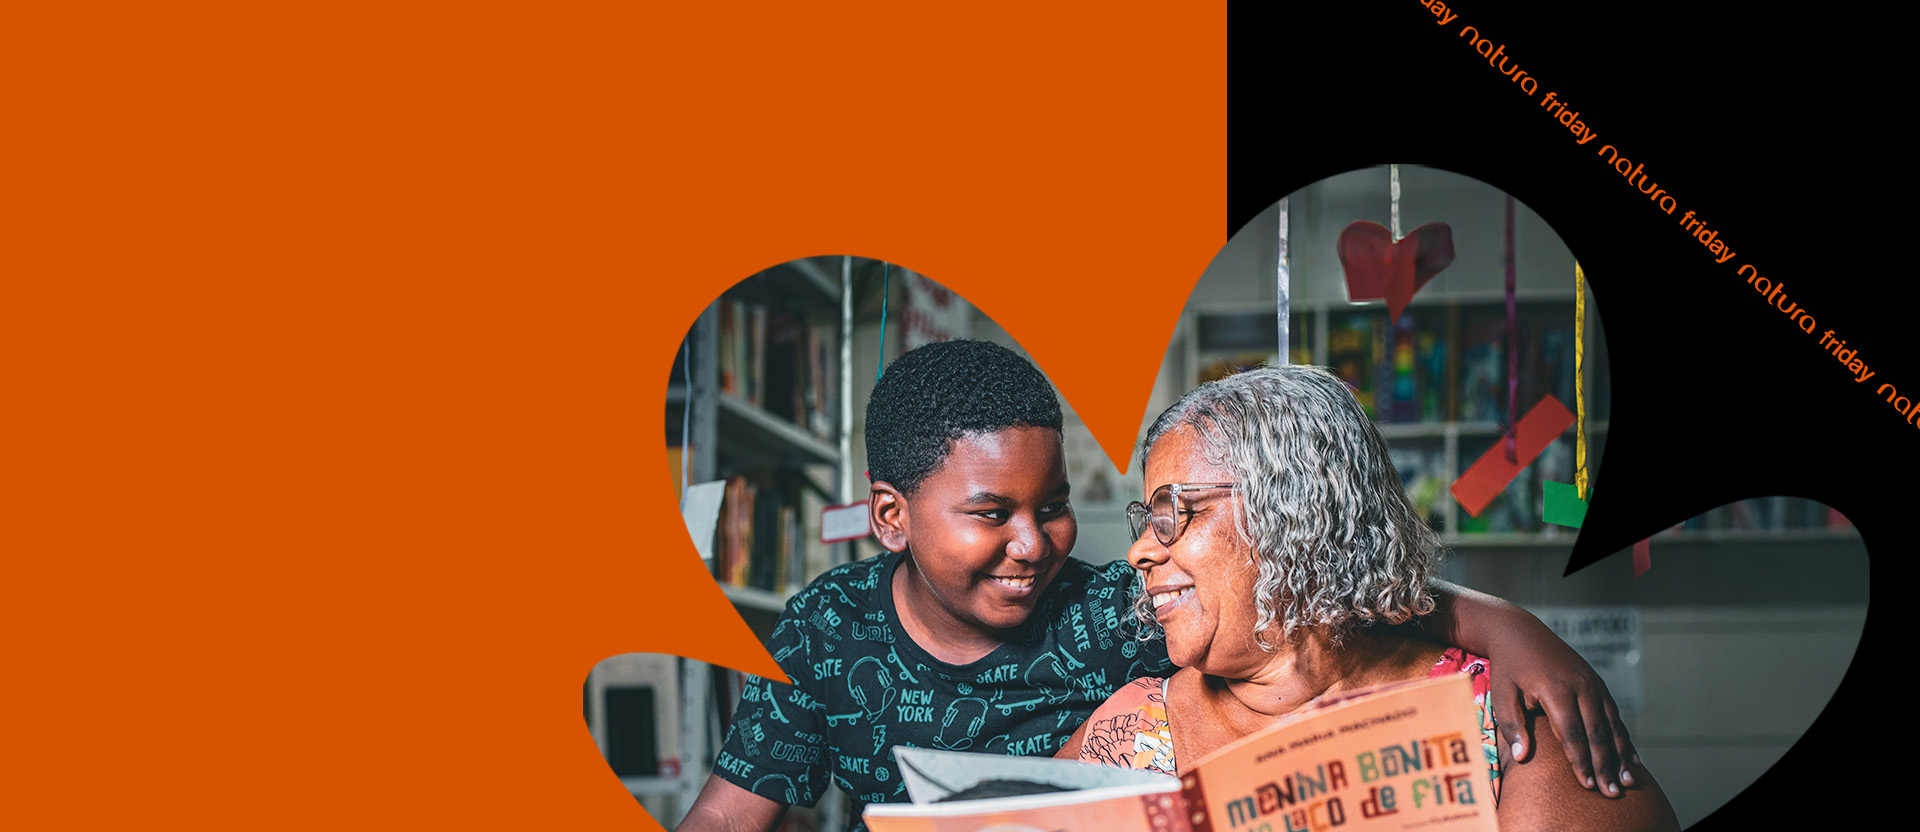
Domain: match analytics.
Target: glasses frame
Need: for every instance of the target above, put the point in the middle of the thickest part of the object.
(1140, 515)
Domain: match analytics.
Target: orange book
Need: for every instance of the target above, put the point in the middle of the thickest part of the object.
(1398, 757)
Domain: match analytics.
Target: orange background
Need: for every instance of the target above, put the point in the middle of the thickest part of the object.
(337, 339)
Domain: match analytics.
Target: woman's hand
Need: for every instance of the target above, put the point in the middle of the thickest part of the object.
(1533, 670)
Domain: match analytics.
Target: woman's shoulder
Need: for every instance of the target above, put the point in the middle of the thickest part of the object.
(1147, 693)
(1130, 729)
(1139, 693)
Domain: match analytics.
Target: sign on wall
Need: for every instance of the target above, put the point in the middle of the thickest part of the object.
(1609, 639)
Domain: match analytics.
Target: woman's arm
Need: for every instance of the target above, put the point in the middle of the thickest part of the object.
(1071, 751)
(1540, 795)
(1534, 669)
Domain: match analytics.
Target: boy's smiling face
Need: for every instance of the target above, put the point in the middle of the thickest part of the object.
(987, 532)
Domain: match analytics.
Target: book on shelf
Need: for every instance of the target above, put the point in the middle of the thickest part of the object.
(814, 557)
(736, 531)
(1401, 756)
(770, 529)
(1483, 371)
(1350, 355)
(1415, 379)
(780, 361)
(1437, 363)
(1399, 370)
(1234, 342)
(1218, 367)
(1423, 475)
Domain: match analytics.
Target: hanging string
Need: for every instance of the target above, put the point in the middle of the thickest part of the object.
(886, 275)
(1280, 290)
(1579, 381)
(686, 415)
(1513, 348)
(1393, 193)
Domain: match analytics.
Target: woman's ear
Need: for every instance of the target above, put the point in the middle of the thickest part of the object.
(887, 508)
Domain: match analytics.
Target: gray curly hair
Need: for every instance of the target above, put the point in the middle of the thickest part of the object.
(1335, 540)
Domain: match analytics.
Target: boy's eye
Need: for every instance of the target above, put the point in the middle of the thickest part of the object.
(996, 514)
(1056, 509)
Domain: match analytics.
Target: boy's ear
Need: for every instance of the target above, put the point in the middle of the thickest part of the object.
(888, 509)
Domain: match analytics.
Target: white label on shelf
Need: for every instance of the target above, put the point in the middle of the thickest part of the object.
(700, 507)
(848, 522)
(1609, 639)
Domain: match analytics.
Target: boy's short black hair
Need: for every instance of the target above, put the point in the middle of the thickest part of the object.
(944, 391)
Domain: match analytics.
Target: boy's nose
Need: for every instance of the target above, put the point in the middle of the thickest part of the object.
(1027, 543)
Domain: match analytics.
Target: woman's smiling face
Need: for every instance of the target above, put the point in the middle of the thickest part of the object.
(1201, 586)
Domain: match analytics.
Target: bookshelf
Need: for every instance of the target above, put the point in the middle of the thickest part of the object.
(1441, 403)
(1435, 383)
(760, 397)
(767, 408)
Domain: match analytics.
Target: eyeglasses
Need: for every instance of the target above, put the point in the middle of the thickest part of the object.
(1165, 512)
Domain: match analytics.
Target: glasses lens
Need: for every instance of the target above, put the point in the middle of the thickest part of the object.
(1165, 519)
(1137, 519)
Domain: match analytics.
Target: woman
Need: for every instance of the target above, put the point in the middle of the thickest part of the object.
(1275, 537)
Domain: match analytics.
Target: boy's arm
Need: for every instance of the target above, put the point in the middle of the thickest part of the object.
(725, 807)
(770, 712)
(1534, 669)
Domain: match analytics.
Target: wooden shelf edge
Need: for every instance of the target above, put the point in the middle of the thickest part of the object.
(779, 429)
(754, 599)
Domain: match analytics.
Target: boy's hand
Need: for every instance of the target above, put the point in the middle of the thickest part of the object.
(1539, 672)
(1533, 670)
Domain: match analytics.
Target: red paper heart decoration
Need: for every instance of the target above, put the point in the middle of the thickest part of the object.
(1379, 268)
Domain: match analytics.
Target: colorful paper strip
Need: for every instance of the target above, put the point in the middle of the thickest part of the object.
(1642, 557)
(1489, 475)
(1561, 504)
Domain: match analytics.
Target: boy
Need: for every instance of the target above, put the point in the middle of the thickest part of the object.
(976, 631)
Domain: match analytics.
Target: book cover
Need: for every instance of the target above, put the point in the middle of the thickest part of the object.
(1350, 355)
(1399, 757)
(1483, 383)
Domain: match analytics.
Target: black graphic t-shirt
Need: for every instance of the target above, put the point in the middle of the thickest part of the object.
(862, 686)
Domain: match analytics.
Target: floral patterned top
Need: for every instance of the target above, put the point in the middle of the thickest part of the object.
(1130, 730)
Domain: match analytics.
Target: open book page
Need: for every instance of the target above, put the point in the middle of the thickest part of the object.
(1404, 757)
(1091, 797)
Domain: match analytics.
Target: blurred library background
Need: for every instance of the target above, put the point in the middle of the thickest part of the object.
(1721, 654)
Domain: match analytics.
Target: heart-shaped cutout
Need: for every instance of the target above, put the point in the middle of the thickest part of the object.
(1379, 267)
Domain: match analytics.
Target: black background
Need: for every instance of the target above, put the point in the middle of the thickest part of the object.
(1775, 130)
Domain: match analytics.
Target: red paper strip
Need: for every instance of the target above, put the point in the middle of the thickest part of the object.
(1490, 474)
(1642, 557)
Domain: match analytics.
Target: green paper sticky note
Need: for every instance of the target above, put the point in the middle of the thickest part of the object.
(1562, 505)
